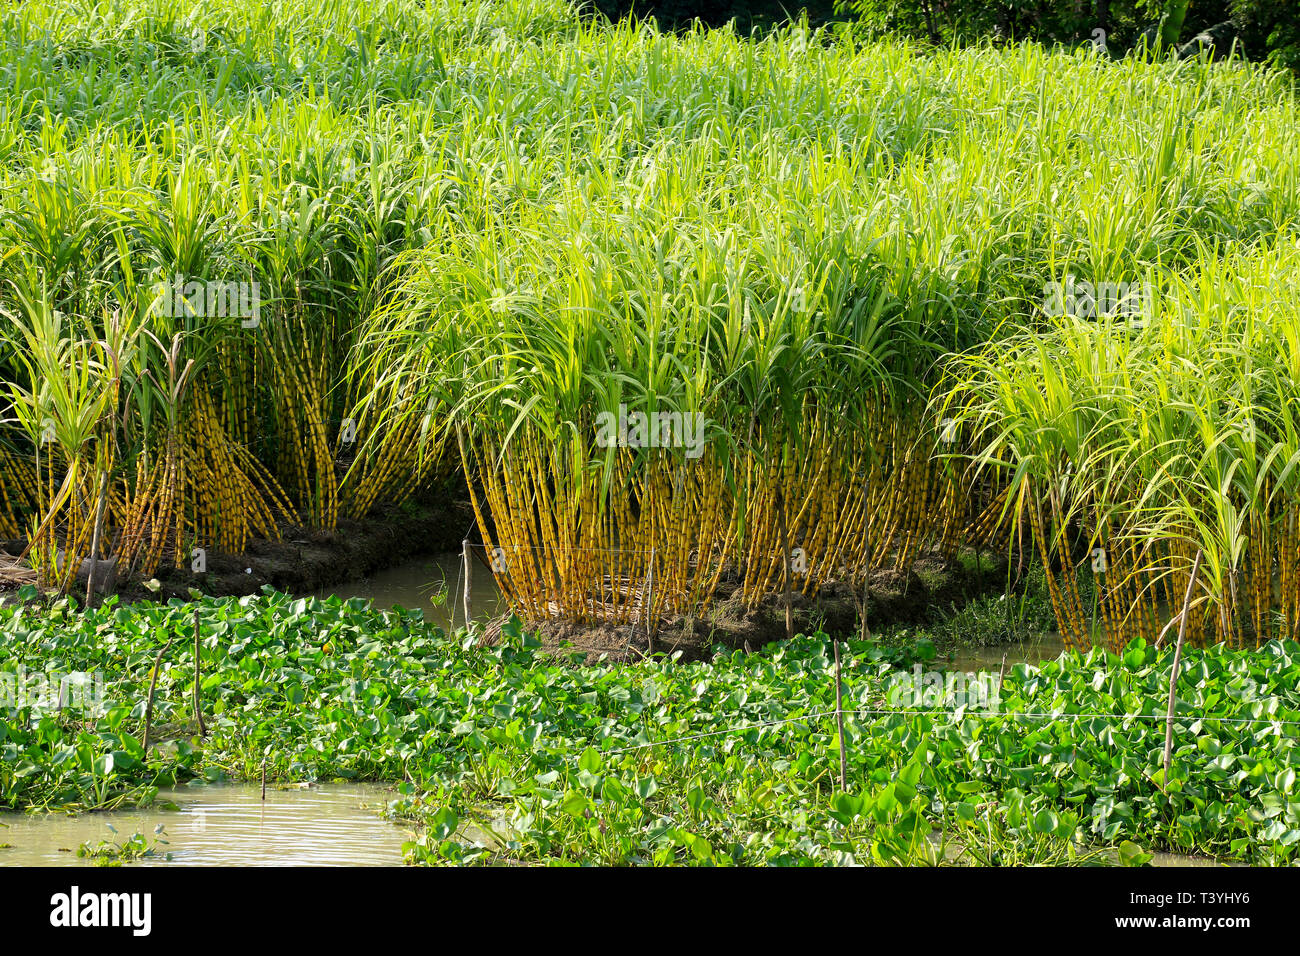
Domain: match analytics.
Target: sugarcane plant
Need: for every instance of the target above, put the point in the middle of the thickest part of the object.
(287, 265)
(1132, 450)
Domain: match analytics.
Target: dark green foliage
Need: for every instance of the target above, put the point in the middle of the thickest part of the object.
(747, 15)
(1264, 30)
(728, 761)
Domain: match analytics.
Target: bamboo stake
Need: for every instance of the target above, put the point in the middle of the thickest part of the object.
(94, 538)
(153, 684)
(785, 545)
(839, 715)
(464, 554)
(198, 676)
(641, 608)
(1173, 674)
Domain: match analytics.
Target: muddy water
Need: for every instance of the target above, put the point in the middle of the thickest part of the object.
(1044, 648)
(228, 825)
(417, 583)
(434, 584)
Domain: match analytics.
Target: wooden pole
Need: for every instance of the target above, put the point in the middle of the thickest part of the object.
(839, 716)
(464, 555)
(785, 544)
(94, 538)
(198, 676)
(649, 605)
(641, 613)
(153, 685)
(1173, 674)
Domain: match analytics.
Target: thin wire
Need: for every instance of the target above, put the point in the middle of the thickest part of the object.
(719, 733)
(517, 547)
(933, 713)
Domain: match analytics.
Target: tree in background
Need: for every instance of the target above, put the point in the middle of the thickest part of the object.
(1048, 21)
(1171, 23)
(1269, 29)
(1257, 29)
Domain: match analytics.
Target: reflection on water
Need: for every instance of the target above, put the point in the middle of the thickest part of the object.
(1178, 859)
(227, 825)
(1043, 648)
(416, 583)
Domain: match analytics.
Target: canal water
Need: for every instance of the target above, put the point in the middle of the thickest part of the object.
(224, 825)
(1045, 647)
(432, 583)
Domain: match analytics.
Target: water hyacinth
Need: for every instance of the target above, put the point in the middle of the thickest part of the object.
(714, 762)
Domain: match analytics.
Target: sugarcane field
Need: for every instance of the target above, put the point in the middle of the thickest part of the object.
(621, 433)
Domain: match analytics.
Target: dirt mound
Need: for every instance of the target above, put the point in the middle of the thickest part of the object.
(912, 597)
(305, 561)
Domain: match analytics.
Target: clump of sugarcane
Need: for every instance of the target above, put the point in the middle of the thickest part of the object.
(845, 505)
(62, 401)
(810, 386)
(128, 459)
(189, 485)
(1133, 450)
(394, 443)
(19, 492)
(152, 523)
(568, 539)
(230, 497)
(300, 382)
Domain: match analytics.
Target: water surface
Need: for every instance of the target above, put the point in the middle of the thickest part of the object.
(225, 825)
(417, 583)
(1043, 648)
